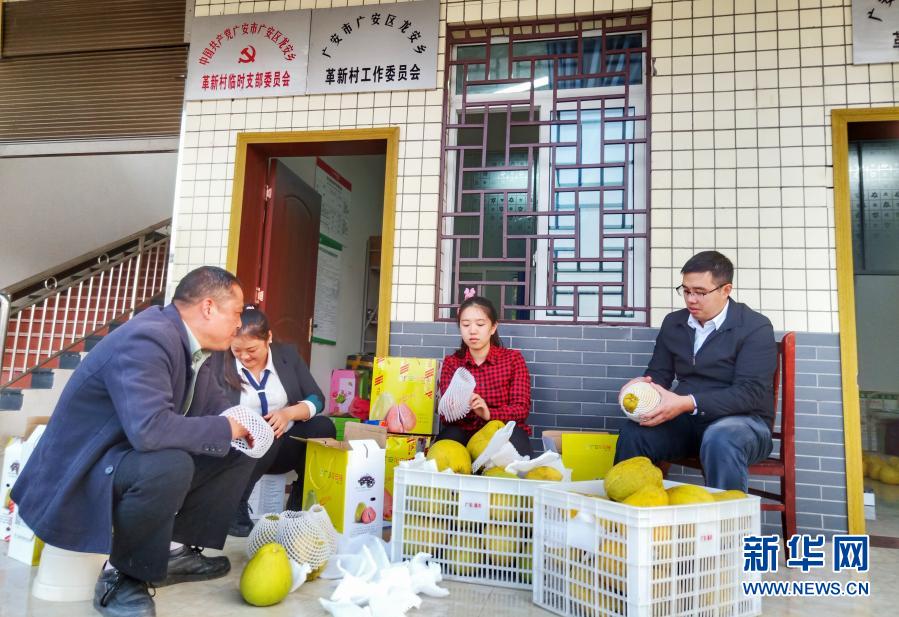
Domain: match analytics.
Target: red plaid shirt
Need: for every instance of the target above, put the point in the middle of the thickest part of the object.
(502, 380)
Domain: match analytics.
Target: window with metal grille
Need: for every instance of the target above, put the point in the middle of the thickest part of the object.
(545, 173)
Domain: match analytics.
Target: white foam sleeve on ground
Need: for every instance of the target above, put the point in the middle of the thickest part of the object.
(371, 586)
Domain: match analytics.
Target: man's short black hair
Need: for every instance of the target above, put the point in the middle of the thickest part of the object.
(205, 282)
(711, 261)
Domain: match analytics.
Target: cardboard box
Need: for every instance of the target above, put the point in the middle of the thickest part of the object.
(347, 478)
(402, 394)
(16, 428)
(24, 545)
(589, 455)
(399, 448)
(344, 388)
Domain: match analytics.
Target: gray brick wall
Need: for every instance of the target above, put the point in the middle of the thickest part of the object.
(576, 373)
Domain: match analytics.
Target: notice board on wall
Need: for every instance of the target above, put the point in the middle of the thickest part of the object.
(336, 192)
(875, 31)
(327, 294)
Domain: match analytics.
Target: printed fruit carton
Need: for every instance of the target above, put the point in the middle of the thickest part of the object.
(402, 394)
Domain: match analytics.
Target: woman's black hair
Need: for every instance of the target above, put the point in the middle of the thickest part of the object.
(253, 323)
(487, 306)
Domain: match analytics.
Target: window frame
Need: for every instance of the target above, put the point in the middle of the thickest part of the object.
(633, 95)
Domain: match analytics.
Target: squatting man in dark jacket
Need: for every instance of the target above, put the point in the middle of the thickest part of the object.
(136, 456)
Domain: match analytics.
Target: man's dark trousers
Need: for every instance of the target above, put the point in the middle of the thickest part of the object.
(172, 496)
(726, 446)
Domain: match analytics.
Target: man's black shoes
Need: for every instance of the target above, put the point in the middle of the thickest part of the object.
(118, 595)
(189, 564)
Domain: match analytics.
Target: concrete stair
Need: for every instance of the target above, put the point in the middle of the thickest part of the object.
(37, 393)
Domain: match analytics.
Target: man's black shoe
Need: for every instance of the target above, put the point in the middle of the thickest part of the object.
(188, 564)
(118, 595)
(242, 524)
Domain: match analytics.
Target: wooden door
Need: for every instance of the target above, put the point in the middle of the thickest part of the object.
(290, 256)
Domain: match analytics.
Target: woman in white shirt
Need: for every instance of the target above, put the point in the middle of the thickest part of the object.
(272, 379)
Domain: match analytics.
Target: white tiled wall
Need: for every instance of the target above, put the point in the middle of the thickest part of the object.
(740, 146)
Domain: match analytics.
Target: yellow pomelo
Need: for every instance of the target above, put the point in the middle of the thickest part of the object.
(502, 544)
(479, 440)
(546, 474)
(526, 565)
(582, 588)
(506, 507)
(630, 402)
(499, 472)
(728, 495)
(688, 493)
(429, 500)
(874, 468)
(612, 566)
(449, 454)
(648, 497)
(889, 475)
(423, 535)
(625, 478)
(314, 574)
(267, 579)
(466, 553)
(612, 562)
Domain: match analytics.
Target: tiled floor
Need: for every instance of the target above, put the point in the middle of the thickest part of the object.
(221, 599)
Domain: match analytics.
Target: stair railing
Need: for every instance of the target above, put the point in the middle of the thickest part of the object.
(44, 316)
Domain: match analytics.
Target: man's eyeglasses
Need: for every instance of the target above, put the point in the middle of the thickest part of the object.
(686, 293)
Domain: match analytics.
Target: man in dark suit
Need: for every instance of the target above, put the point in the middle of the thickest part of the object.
(136, 455)
(723, 356)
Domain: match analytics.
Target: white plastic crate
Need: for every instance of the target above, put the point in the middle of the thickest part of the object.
(479, 529)
(595, 557)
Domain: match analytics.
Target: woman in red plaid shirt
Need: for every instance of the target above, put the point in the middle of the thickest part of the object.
(503, 383)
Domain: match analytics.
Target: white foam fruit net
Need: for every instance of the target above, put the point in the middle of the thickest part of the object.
(454, 403)
(310, 538)
(262, 433)
(264, 532)
(647, 399)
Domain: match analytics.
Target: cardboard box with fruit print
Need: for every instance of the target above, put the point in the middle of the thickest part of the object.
(402, 394)
(347, 478)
